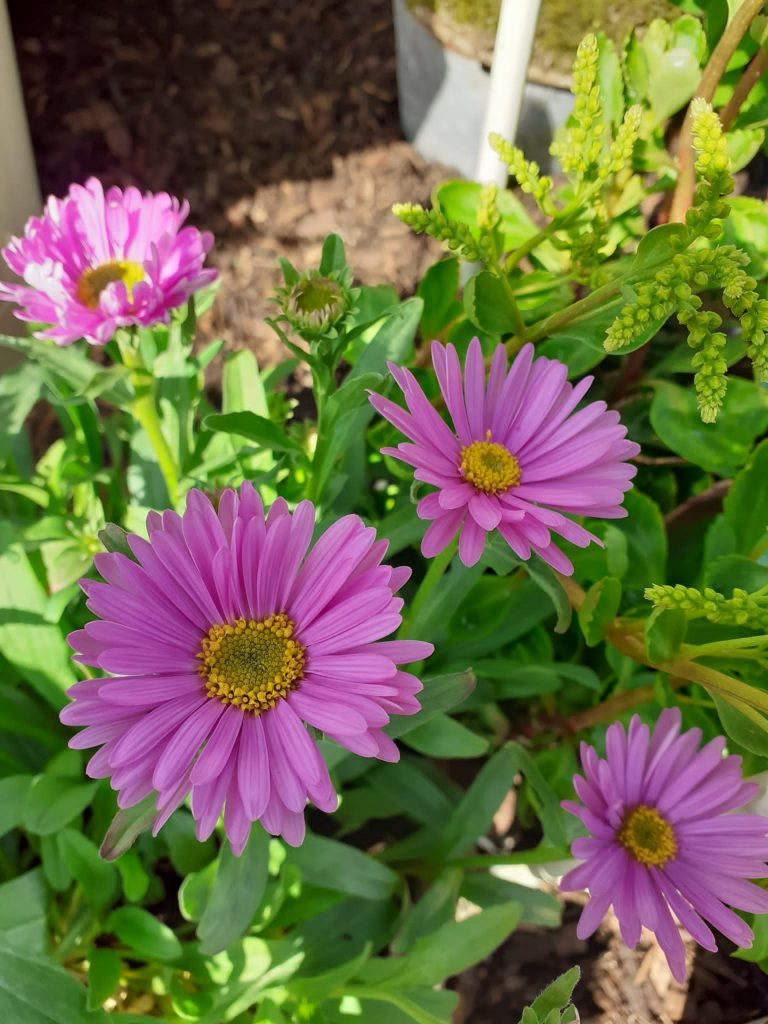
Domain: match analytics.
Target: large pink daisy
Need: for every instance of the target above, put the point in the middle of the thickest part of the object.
(516, 458)
(226, 635)
(96, 262)
(664, 838)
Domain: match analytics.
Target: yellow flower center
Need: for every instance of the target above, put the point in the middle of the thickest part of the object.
(490, 467)
(93, 281)
(251, 664)
(648, 837)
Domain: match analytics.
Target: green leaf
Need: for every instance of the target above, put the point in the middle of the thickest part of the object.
(557, 995)
(546, 801)
(236, 894)
(257, 429)
(437, 289)
(36, 990)
(114, 538)
(658, 246)
(515, 680)
(747, 228)
(104, 969)
(445, 737)
(742, 145)
(665, 631)
(440, 693)
(435, 908)
(487, 890)
(22, 913)
(333, 865)
(673, 65)
(609, 79)
(721, 447)
(186, 851)
(53, 801)
(472, 815)
(318, 988)
(544, 577)
(97, 877)
(746, 505)
(730, 571)
(448, 950)
(646, 541)
(488, 305)
(126, 826)
(13, 796)
(19, 390)
(144, 934)
(33, 645)
(600, 607)
(408, 785)
(744, 724)
(332, 258)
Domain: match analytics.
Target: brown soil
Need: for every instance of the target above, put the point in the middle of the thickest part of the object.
(279, 123)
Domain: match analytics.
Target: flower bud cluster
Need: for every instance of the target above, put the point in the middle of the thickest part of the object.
(741, 609)
(457, 236)
(619, 154)
(581, 145)
(741, 297)
(712, 172)
(488, 215)
(526, 172)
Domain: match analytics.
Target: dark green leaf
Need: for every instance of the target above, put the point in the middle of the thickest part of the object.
(13, 796)
(448, 950)
(35, 990)
(104, 968)
(721, 447)
(487, 304)
(746, 505)
(664, 633)
(743, 723)
(236, 894)
(97, 877)
(332, 865)
(438, 290)
(488, 890)
(599, 609)
(22, 912)
(144, 934)
(440, 693)
(53, 801)
(257, 429)
(544, 577)
(473, 814)
(445, 737)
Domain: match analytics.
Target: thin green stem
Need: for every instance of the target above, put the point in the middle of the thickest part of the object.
(434, 574)
(144, 410)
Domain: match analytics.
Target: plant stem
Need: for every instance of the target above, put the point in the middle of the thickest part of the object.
(144, 410)
(434, 574)
(710, 79)
(753, 72)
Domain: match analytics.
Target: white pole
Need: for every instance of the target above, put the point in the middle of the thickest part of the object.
(511, 54)
(19, 191)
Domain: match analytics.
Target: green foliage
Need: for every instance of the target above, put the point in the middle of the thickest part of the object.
(370, 915)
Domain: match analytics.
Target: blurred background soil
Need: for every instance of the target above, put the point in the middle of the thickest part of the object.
(279, 124)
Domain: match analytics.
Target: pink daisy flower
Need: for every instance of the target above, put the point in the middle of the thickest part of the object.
(96, 262)
(516, 458)
(664, 839)
(226, 635)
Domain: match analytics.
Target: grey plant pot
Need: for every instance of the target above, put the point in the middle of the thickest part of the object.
(443, 96)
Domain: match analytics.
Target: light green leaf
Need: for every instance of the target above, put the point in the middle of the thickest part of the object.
(97, 877)
(557, 995)
(256, 429)
(13, 796)
(745, 507)
(744, 724)
(664, 633)
(437, 289)
(104, 969)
